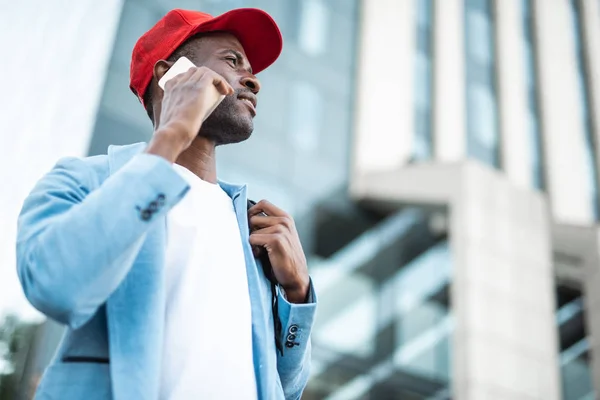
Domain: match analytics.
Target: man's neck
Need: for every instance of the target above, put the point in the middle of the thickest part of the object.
(200, 159)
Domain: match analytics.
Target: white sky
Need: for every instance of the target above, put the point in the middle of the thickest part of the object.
(53, 90)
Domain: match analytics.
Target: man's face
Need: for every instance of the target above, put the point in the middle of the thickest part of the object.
(232, 120)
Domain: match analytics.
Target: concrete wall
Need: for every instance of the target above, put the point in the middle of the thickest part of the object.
(384, 101)
(505, 340)
(450, 142)
(561, 113)
(384, 94)
(591, 24)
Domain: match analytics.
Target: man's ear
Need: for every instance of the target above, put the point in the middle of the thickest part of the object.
(161, 67)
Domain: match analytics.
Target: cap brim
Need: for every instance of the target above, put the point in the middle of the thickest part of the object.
(257, 32)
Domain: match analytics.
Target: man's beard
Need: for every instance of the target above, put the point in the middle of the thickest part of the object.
(228, 123)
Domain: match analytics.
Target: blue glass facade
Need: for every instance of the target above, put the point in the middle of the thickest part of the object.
(574, 344)
(533, 129)
(423, 83)
(482, 113)
(385, 324)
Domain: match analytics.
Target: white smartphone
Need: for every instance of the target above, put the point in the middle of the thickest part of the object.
(183, 64)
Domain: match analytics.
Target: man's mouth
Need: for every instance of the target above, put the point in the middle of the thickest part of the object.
(250, 100)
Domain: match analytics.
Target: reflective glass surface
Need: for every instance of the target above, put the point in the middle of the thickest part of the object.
(384, 327)
(423, 145)
(482, 118)
(533, 129)
(577, 383)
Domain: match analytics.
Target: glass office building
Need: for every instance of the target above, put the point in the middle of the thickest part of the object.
(482, 122)
(504, 142)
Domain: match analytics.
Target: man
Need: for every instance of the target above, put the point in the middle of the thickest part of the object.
(149, 260)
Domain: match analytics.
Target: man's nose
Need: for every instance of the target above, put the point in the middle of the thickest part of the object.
(251, 82)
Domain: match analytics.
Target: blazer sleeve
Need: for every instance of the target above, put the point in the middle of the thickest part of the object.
(294, 364)
(77, 239)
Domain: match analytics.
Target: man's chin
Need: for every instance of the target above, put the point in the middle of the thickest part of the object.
(226, 137)
(227, 130)
(232, 139)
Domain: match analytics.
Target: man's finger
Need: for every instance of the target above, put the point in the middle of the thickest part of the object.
(263, 239)
(276, 229)
(262, 221)
(222, 86)
(267, 208)
(197, 74)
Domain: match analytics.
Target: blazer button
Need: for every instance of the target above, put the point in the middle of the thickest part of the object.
(153, 206)
(146, 215)
(289, 345)
(293, 329)
(291, 337)
(160, 199)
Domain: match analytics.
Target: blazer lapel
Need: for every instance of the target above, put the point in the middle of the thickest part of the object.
(135, 311)
(262, 338)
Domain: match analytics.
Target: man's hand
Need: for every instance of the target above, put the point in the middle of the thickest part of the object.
(186, 100)
(274, 231)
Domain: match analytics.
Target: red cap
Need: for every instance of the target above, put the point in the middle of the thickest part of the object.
(255, 29)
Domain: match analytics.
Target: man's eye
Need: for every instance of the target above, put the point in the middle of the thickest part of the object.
(233, 60)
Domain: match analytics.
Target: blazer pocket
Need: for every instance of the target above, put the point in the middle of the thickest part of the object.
(85, 359)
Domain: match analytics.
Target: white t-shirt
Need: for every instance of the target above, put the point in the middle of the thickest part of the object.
(207, 350)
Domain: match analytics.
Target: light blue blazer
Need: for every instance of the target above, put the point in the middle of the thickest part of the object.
(90, 255)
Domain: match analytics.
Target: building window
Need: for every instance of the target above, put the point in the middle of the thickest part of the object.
(313, 28)
(391, 286)
(574, 344)
(533, 130)
(482, 126)
(423, 78)
(306, 118)
(590, 144)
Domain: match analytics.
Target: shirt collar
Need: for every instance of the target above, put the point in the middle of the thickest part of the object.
(232, 190)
